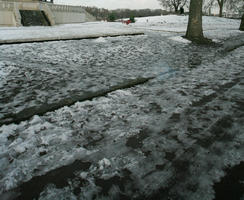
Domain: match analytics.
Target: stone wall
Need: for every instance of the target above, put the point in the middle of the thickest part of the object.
(56, 14)
(64, 14)
(7, 17)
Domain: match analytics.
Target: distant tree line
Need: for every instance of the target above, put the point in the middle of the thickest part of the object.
(227, 8)
(174, 4)
(112, 15)
(51, 1)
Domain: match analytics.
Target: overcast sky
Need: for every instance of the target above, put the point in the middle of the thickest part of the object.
(113, 4)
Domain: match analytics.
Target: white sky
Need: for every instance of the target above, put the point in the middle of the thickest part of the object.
(113, 4)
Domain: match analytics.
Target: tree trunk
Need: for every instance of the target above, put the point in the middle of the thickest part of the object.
(242, 23)
(221, 10)
(176, 8)
(221, 5)
(194, 29)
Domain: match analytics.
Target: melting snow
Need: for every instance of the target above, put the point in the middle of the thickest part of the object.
(178, 131)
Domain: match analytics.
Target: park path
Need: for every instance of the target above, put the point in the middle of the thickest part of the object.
(184, 126)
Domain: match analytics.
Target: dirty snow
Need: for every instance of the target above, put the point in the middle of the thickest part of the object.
(171, 137)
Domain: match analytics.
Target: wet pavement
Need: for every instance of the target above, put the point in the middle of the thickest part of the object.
(168, 123)
(46, 76)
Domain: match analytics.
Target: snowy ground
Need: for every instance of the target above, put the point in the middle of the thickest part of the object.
(176, 23)
(168, 23)
(172, 137)
(63, 32)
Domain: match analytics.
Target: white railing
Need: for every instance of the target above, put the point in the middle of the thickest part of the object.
(66, 8)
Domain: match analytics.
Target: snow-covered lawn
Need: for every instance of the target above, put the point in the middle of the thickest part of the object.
(63, 32)
(171, 137)
(168, 23)
(212, 26)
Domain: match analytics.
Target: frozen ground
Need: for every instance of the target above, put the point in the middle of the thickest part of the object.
(168, 23)
(10, 35)
(172, 137)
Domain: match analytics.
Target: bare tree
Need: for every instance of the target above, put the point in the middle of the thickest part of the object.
(176, 4)
(221, 6)
(208, 5)
(235, 7)
(229, 5)
(242, 23)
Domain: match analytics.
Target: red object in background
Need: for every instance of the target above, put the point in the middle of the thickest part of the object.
(126, 22)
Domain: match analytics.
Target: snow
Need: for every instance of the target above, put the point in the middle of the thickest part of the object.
(5, 70)
(178, 131)
(167, 23)
(104, 163)
(178, 24)
(180, 39)
(67, 31)
(100, 40)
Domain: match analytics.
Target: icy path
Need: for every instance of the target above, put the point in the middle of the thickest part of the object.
(52, 74)
(47, 76)
(185, 131)
(172, 137)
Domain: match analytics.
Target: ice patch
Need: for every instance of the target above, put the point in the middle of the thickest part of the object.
(100, 40)
(35, 120)
(216, 40)
(120, 93)
(83, 175)
(180, 39)
(20, 149)
(5, 70)
(65, 136)
(104, 163)
(53, 193)
(209, 92)
(8, 130)
(16, 142)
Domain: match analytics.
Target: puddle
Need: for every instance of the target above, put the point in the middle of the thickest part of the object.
(59, 177)
(122, 182)
(136, 141)
(231, 186)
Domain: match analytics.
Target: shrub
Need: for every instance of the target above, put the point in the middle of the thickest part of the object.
(111, 17)
(132, 19)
